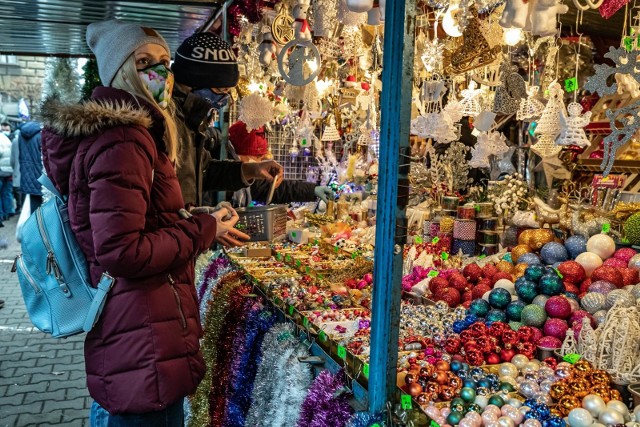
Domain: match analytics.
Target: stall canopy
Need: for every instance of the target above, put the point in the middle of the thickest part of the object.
(57, 27)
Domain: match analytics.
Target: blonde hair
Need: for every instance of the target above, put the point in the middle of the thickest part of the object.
(127, 79)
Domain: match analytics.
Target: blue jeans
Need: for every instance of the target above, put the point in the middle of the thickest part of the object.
(6, 196)
(172, 416)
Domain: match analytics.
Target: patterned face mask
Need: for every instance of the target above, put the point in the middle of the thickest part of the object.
(159, 80)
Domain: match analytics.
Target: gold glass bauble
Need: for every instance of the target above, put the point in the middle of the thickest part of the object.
(505, 266)
(519, 250)
(541, 237)
(558, 390)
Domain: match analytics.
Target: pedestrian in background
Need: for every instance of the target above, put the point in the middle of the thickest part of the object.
(15, 165)
(7, 208)
(30, 159)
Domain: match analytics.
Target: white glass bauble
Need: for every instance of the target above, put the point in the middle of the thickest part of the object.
(602, 245)
(508, 370)
(580, 418)
(359, 6)
(594, 404)
(589, 261)
(610, 416)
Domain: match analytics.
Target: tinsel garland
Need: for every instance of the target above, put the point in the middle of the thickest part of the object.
(218, 268)
(214, 321)
(281, 381)
(245, 365)
(365, 419)
(250, 9)
(326, 404)
(235, 321)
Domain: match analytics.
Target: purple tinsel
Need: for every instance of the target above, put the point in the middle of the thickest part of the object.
(324, 404)
(245, 365)
(212, 272)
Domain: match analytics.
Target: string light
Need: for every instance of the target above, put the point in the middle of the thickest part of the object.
(512, 36)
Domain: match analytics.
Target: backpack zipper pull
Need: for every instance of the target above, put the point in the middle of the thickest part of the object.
(49, 262)
(14, 267)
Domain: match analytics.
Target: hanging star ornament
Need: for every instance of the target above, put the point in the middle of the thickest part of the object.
(552, 167)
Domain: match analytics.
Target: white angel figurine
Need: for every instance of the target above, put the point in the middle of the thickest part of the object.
(572, 126)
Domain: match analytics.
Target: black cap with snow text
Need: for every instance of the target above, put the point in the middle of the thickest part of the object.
(204, 60)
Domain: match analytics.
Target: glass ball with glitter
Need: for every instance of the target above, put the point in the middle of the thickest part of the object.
(550, 284)
(533, 315)
(553, 252)
(514, 310)
(499, 298)
(529, 258)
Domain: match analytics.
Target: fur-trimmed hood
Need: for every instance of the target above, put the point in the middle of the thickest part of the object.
(66, 125)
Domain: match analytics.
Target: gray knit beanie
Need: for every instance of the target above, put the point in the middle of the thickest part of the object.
(114, 41)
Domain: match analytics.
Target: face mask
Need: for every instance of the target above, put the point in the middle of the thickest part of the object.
(159, 80)
(6, 132)
(217, 100)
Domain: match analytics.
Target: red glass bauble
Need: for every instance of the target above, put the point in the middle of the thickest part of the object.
(625, 254)
(479, 290)
(459, 282)
(608, 274)
(629, 276)
(472, 272)
(570, 287)
(489, 270)
(467, 304)
(467, 296)
(584, 286)
(493, 358)
(558, 306)
(438, 283)
(507, 354)
(449, 295)
(572, 271)
(615, 262)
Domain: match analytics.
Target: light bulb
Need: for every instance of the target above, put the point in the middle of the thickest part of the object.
(253, 87)
(512, 36)
(313, 65)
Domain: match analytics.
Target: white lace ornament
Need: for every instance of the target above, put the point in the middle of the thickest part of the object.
(255, 111)
(510, 92)
(530, 107)
(489, 143)
(471, 100)
(573, 127)
(549, 123)
(330, 133)
(546, 146)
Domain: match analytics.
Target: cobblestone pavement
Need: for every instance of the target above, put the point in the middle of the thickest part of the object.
(42, 380)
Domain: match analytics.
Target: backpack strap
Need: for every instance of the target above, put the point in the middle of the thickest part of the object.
(48, 184)
(104, 285)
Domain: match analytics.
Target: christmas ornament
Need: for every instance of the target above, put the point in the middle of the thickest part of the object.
(474, 52)
(572, 271)
(282, 26)
(576, 245)
(533, 315)
(632, 229)
(558, 306)
(550, 284)
(510, 93)
(556, 328)
(602, 245)
(553, 252)
(589, 261)
(299, 62)
(499, 298)
(572, 127)
(592, 302)
(471, 100)
(530, 107)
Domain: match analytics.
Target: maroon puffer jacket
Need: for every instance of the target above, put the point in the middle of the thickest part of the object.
(108, 156)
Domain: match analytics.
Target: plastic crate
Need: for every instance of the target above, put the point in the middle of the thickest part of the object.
(263, 222)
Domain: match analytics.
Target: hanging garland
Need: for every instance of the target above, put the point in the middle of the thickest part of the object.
(249, 9)
(327, 402)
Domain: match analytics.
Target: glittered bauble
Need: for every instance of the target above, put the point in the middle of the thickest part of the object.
(632, 228)
(550, 342)
(600, 316)
(499, 298)
(540, 300)
(550, 284)
(507, 285)
(449, 295)
(515, 325)
(620, 297)
(479, 307)
(553, 252)
(480, 289)
(472, 272)
(554, 422)
(534, 272)
(459, 282)
(602, 287)
(572, 271)
(593, 301)
(558, 306)
(575, 245)
(629, 276)
(526, 289)
(518, 251)
(489, 270)
(625, 254)
(594, 404)
(580, 417)
(589, 261)
(555, 328)
(504, 266)
(533, 315)
(540, 237)
(514, 310)
(634, 262)
(501, 275)
(602, 245)
(635, 291)
(614, 262)
(577, 316)
(530, 259)
(610, 274)
(496, 315)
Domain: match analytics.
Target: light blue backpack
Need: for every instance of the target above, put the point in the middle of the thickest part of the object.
(53, 272)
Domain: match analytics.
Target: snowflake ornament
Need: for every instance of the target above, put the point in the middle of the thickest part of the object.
(573, 127)
(530, 107)
(255, 111)
(625, 63)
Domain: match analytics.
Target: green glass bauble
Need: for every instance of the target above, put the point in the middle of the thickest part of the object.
(551, 284)
(479, 308)
(534, 272)
(496, 315)
(533, 315)
(499, 298)
(508, 387)
(526, 290)
(468, 394)
(496, 400)
(454, 418)
(514, 310)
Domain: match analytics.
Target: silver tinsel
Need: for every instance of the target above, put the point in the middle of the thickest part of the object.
(281, 381)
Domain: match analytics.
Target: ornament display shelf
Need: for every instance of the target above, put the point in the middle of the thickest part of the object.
(321, 346)
(619, 166)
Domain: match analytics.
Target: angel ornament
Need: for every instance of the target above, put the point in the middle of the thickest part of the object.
(471, 100)
(530, 107)
(572, 132)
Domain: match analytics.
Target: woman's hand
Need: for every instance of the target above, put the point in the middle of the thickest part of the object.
(226, 234)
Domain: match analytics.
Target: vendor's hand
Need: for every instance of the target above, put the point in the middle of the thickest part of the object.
(266, 170)
(226, 234)
(324, 193)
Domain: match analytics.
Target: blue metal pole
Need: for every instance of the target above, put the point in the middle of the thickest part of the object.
(395, 109)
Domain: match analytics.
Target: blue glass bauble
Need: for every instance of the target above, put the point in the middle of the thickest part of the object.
(468, 394)
(477, 373)
(534, 272)
(484, 383)
(544, 411)
(554, 422)
(470, 319)
(479, 308)
(553, 252)
(514, 310)
(550, 284)
(470, 383)
(529, 258)
(496, 315)
(459, 326)
(533, 414)
(499, 298)
(527, 290)
(575, 245)
(455, 365)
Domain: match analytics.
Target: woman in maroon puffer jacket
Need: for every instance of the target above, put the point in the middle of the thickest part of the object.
(114, 157)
